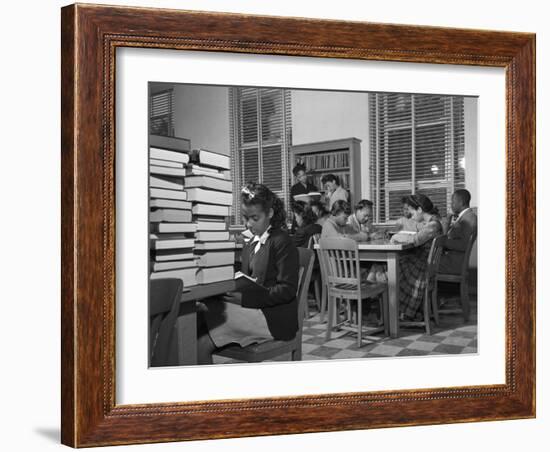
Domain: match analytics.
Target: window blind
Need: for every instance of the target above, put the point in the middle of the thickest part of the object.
(417, 146)
(161, 113)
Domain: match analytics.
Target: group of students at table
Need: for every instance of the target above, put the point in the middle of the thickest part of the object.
(271, 258)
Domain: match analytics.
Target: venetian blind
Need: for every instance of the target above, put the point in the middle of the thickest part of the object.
(161, 109)
(417, 146)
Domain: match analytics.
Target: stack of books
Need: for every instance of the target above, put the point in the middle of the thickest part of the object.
(190, 195)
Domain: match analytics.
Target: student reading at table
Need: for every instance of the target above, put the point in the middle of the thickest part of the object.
(413, 263)
(406, 223)
(306, 223)
(458, 227)
(272, 259)
(302, 186)
(337, 224)
(334, 190)
(320, 211)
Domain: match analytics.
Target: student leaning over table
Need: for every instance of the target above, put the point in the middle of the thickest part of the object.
(337, 224)
(272, 259)
(413, 263)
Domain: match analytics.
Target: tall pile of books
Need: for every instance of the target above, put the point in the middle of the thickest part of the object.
(190, 195)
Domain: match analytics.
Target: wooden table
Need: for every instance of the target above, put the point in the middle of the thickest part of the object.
(384, 251)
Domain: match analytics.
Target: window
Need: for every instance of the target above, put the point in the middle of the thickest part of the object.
(416, 146)
(260, 140)
(161, 109)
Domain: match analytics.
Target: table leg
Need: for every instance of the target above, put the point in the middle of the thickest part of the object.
(393, 293)
(186, 328)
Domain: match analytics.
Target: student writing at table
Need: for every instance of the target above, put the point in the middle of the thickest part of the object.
(272, 259)
(413, 263)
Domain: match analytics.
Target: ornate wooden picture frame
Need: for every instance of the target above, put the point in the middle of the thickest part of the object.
(90, 37)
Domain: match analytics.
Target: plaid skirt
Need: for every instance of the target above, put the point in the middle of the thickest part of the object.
(412, 280)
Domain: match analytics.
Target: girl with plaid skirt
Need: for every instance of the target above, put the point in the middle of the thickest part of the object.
(413, 263)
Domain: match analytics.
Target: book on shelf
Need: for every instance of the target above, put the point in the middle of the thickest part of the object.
(208, 182)
(165, 163)
(210, 210)
(170, 204)
(165, 171)
(166, 183)
(215, 258)
(187, 275)
(173, 143)
(168, 194)
(197, 170)
(164, 228)
(175, 254)
(170, 216)
(209, 246)
(211, 159)
(168, 156)
(211, 236)
(206, 225)
(172, 265)
(206, 275)
(170, 241)
(329, 161)
(209, 196)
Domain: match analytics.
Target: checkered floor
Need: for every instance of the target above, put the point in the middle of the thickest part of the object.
(451, 336)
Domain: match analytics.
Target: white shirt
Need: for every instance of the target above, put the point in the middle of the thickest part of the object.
(260, 240)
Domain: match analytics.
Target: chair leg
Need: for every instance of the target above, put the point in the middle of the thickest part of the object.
(435, 308)
(296, 354)
(317, 290)
(359, 321)
(427, 310)
(385, 312)
(324, 301)
(330, 316)
(464, 300)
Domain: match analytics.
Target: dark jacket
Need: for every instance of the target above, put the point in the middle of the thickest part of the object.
(304, 233)
(457, 240)
(299, 189)
(276, 268)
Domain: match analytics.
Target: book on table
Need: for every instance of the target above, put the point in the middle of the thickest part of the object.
(170, 241)
(166, 182)
(215, 258)
(168, 194)
(170, 216)
(212, 236)
(187, 275)
(167, 155)
(174, 254)
(208, 182)
(172, 265)
(166, 163)
(212, 159)
(208, 246)
(206, 275)
(210, 225)
(170, 204)
(173, 227)
(173, 143)
(166, 171)
(202, 195)
(210, 210)
(197, 170)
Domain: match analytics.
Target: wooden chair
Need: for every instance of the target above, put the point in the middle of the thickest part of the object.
(429, 303)
(462, 280)
(321, 289)
(255, 353)
(343, 278)
(164, 303)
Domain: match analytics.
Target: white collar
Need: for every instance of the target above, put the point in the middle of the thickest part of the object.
(260, 240)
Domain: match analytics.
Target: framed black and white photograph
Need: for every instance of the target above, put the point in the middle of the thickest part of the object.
(257, 215)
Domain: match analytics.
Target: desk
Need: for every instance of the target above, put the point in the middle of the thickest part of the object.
(384, 251)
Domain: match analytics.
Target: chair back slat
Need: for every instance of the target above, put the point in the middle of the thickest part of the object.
(306, 258)
(341, 259)
(467, 253)
(434, 257)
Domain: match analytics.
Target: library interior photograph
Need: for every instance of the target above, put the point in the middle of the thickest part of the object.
(297, 225)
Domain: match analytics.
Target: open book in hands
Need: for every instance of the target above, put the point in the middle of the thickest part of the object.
(244, 283)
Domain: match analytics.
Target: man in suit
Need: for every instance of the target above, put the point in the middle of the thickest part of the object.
(458, 227)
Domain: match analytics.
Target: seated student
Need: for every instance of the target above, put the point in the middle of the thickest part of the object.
(334, 191)
(458, 227)
(337, 224)
(306, 223)
(302, 186)
(320, 212)
(360, 222)
(272, 259)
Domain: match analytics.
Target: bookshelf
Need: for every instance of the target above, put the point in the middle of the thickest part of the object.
(340, 157)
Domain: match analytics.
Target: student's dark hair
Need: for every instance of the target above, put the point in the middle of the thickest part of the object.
(323, 212)
(304, 210)
(418, 200)
(364, 203)
(299, 167)
(339, 207)
(260, 195)
(330, 178)
(463, 195)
